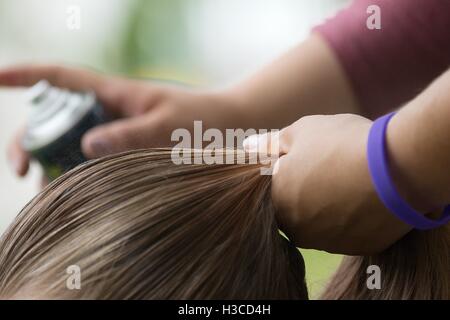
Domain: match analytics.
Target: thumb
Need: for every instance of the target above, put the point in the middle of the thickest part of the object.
(118, 136)
(263, 144)
(273, 143)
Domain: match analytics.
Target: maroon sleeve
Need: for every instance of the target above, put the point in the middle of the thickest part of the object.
(388, 67)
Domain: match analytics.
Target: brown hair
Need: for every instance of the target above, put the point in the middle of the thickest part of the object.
(140, 227)
(417, 267)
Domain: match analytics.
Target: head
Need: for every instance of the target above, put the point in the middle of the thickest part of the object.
(137, 226)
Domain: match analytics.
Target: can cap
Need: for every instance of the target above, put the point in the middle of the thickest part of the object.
(53, 112)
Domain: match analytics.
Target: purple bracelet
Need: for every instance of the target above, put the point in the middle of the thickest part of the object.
(379, 171)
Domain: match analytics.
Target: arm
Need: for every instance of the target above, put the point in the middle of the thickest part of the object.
(291, 87)
(419, 142)
(306, 80)
(316, 77)
(346, 68)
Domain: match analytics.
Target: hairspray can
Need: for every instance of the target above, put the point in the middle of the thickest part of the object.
(58, 119)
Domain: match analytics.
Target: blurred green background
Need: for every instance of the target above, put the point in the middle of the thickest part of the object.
(207, 43)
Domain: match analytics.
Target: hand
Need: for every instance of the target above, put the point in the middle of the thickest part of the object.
(145, 113)
(323, 191)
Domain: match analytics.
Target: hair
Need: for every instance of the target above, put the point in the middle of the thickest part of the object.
(140, 227)
(417, 267)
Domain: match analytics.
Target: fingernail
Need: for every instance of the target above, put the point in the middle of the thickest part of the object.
(250, 144)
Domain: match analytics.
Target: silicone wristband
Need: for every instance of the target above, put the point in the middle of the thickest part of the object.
(388, 194)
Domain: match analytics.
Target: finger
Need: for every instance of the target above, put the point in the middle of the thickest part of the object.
(18, 158)
(110, 91)
(127, 98)
(70, 78)
(270, 144)
(122, 135)
(261, 143)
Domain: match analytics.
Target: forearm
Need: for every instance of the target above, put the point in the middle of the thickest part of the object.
(419, 146)
(307, 80)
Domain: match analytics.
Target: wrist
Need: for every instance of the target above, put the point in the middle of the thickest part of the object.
(413, 177)
(379, 220)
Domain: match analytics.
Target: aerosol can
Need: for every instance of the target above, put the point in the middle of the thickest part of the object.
(58, 119)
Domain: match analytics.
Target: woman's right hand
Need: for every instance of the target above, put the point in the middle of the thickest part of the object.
(145, 113)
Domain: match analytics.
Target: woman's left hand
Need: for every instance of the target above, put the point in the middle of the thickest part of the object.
(323, 191)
